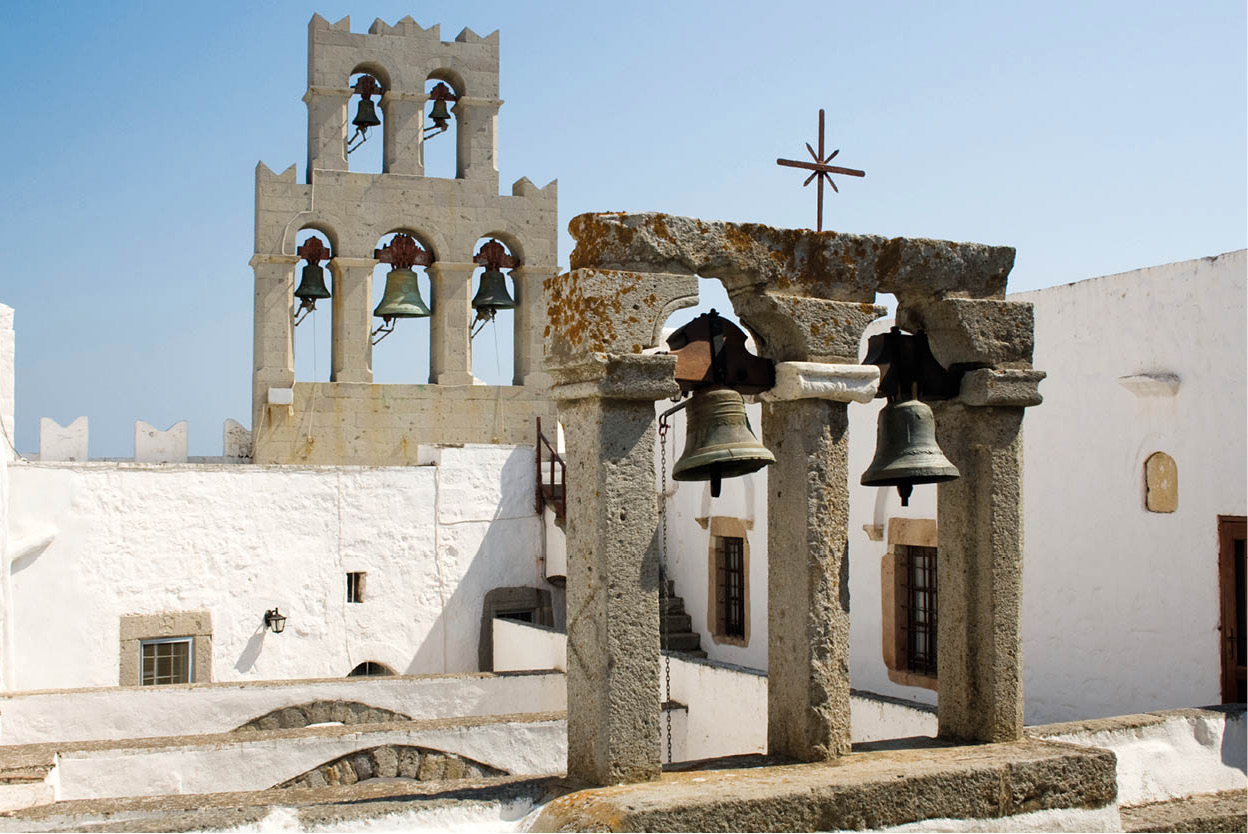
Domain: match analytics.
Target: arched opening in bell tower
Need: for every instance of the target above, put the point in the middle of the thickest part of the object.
(402, 356)
(494, 299)
(440, 139)
(312, 306)
(366, 121)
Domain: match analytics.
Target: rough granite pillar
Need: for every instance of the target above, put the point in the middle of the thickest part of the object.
(351, 351)
(808, 581)
(450, 350)
(606, 405)
(979, 572)
(404, 125)
(530, 319)
(327, 125)
(273, 338)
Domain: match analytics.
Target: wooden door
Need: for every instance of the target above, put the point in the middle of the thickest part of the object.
(1231, 569)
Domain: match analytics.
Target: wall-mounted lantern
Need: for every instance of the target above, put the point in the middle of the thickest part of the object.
(401, 299)
(312, 279)
(366, 115)
(275, 621)
(492, 295)
(439, 114)
(906, 452)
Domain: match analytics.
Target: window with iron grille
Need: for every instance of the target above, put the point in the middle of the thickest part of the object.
(730, 584)
(355, 586)
(168, 660)
(917, 569)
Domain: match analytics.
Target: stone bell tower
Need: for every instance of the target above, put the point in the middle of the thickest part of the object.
(351, 420)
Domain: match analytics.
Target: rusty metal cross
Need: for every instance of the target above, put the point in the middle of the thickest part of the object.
(822, 170)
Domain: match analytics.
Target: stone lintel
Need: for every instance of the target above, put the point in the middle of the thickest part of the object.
(610, 311)
(1015, 387)
(344, 92)
(791, 328)
(834, 265)
(817, 380)
(618, 377)
(972, 331)
(355, 262)
(261, 258)
(863, 791)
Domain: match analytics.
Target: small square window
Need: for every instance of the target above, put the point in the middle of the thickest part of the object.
(355, 586)
(910, 602)
(169, 660)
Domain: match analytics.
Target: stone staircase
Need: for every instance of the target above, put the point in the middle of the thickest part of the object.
(676, 626)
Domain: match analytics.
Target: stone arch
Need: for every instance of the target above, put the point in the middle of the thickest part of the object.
(452, 78)
(374, 68)
(321, 712)
(371, 669)
(416, 764)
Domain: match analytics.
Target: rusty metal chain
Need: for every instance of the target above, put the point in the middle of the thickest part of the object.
(663, 595)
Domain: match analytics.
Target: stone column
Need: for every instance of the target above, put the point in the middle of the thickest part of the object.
(450, 349)
(979, 570)
(351, 351)
(327, 128)
(404, 124)
(273, 338)
(806, 427)
(606, 405)
(528, 282)
(476, 121)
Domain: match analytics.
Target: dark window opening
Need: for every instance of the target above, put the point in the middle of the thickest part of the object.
(730, 579)
(370, 669)
(520, 616)
(918, 598)
(165, 661)
(355, 586)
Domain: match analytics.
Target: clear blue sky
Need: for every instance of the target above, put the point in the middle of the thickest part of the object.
(1094, 137)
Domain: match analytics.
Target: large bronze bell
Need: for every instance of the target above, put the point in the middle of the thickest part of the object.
(312, 285)
(401, 300)
(440, 115)
(492, 295)
(366, 115)
(905, 450)
(718, 440)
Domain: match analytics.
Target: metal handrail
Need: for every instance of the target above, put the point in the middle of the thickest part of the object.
(557, 499)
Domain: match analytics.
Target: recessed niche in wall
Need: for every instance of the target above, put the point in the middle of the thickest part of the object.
(1161, 483)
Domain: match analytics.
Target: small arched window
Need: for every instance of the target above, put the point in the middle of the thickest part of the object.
(371, 669)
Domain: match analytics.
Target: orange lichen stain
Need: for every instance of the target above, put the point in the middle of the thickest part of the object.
(867, 307)
(815, 328)
(585, 321)
(593, 236)
(658, 224)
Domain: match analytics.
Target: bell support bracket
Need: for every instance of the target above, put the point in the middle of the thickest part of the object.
(908, 368)
(403, 252)
(710, 350)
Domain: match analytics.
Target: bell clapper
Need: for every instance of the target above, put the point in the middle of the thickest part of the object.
(362, 134)
(306, 305)
(484, 316)
(385, 329)
(904, 490)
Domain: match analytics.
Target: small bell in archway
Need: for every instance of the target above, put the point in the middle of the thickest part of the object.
(440, 114)
(366, 114)
(312, 278)
(492, 294)
(402, 299)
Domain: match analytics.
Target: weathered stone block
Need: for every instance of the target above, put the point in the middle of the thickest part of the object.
(816, 380)
(790, 261)
(611, 376)
(432, 767)
(794, 328)
(1010, 387)
(607, 311)
(363, 764)
(409, 762)
(972, 331)
(385, 762)
(292, 717)
(455, 768)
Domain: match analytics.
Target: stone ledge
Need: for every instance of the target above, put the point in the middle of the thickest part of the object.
(867, 790)
(1008, 387)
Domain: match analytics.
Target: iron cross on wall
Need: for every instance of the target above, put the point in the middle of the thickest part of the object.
(822, 170)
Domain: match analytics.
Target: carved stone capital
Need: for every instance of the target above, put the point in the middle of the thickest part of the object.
(1017, 387)
(817, 380)
(614, 376)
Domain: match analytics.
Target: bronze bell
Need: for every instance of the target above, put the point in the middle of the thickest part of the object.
(366, 115)
(401, 300)
(905, 450)
(440, 115)
(718, 440)
(492, 295)
(312, 285)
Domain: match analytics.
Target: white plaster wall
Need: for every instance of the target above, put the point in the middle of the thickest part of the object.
(689, 505)
(873, 718)
(521, 647)
(518, 747)
(155, 711)
(7, 453)
(1120, 605)
(727, 708)
(1184, 752)
(130, 538)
